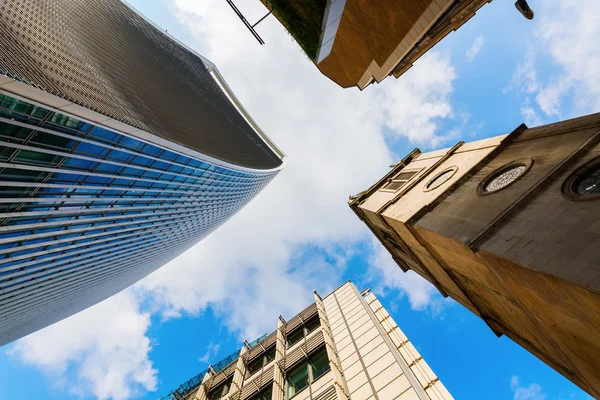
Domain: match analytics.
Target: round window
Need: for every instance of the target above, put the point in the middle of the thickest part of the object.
(504, 177)
(440, 179)
(584, 183)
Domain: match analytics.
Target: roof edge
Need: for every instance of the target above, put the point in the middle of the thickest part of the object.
(221, 80)
(60, 105)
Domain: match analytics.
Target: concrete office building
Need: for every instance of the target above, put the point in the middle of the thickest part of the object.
(357, 42)
(344, 346)
(508, 227)
(119, 149)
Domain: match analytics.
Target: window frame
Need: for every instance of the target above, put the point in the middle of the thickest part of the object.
(307, 364)
(452, 170)
(225, 387)
(403, 182)
(567, 188)
(481, 188)
(302, 328)
(265, 392)
(263, 360)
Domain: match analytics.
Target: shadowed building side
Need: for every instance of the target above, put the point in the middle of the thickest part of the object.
(508, 227)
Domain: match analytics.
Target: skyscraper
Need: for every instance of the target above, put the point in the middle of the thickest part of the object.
(344, 346)
(508, 227)
(356, 43)
(119, 149)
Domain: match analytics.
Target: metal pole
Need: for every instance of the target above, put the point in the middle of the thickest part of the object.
(260, 20)
(245, 21)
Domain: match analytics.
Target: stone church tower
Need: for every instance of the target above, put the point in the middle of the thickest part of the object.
(510, 228)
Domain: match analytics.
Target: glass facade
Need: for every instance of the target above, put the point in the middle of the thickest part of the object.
(86, 211)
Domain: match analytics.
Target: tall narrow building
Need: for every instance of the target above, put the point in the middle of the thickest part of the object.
(120, 148)
(344, 346)
(357, 42)
(508, 227)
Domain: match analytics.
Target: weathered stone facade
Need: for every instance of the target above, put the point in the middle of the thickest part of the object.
(503, 238)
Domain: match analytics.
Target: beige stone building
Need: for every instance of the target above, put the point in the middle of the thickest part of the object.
(510, 228)
(344, 346)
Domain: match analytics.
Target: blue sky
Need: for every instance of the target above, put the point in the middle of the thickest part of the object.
(497, 71)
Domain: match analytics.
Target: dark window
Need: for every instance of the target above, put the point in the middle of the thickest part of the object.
(295, 336)
(297, 379)
(584, 183)
(308, 371)
(399, 180)
(312, 324)
(265, 394)
(588, 183)
(258, 363)
(255, 365)
(300, 332)
(220, 391)
(319, 363)
(270, 355)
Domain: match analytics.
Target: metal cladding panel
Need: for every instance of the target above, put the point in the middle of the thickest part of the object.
(302, 316)
(102, 55)
(261, 380)
(221, 376)
(299, 353)
(86, 212)
(328, 394)
(258, 349)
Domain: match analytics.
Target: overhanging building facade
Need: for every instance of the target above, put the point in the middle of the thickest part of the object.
(508, 227)
(119, 149)
(344, 346)
(357, 42)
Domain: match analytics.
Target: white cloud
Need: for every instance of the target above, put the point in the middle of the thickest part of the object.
(106, 344)
(387, 275)
(530, 115)
(211, 351)
(298, 234)
(569, 30)
(531, 392)
(565, 35)
(475, 48)
(525, 78)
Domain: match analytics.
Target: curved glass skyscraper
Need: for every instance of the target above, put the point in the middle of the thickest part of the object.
(119, 149)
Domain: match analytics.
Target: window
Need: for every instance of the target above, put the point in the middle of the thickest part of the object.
(504, 177)
(299, 333)
(584, 183)
(295, 336)
(308, 371)
(399, 180)
(319, 364)
(440, 179)
(220, 391)
(265, 394)
(261, 361)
